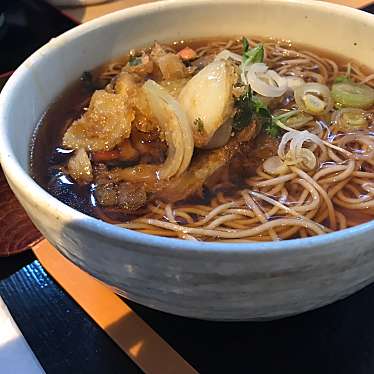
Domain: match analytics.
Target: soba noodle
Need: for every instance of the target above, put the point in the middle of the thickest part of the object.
(313, 198)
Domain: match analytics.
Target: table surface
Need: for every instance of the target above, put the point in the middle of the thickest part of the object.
(84, 14)
(335, 339)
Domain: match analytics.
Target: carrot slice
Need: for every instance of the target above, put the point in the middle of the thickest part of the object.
(106, 155)
(187, 54)
(127, 151)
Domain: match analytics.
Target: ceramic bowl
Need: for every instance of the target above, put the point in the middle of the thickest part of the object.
(203, 280)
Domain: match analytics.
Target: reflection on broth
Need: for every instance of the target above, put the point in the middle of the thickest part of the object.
(229, 140)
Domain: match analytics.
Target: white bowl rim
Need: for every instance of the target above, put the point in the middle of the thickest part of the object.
(41, 197)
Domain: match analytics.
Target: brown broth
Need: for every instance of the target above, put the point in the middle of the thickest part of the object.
(46, 156)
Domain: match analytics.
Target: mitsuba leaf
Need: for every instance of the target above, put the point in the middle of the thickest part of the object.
(252, 55)
(250, 107)
(243, 114)
(341, 79)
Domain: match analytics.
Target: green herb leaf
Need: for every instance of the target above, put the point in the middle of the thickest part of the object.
(133, 61)
(252, 55)
(245, 44)
(341, 79)
(198, 122)
(248, 108)
(287, 115)
(273, 130)
(264, 116)
(243, 114)
(259, 105)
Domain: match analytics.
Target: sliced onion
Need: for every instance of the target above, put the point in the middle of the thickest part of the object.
(221, 136)
(275, 166)
(294, 82)
(298, 141)
(264, 81)
(174, 122)
(207, 99)
(286, 138)
(226, 54)
(243, 76)
(297, 155)
(349, 119)
(304, 159)
(313, 98)
(362, 138)
(354, 95)
(317, 128)
(298, 120)
(356, 137)
(324, 142)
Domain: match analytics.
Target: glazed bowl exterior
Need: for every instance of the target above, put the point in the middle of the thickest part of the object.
(218, 281)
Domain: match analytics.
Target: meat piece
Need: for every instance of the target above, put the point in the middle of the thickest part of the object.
(144, 123)
(105, 124)
(194, 178)
(203, 166)
(127, 196)
(142, 173)
(127, 84)
(130, 86)
(219, 177)
(169, 64)
(127, 152)
(131, 196)
(123, 152)
(102, 156)
(149, 145)
(106, 194)
(171, 67)
(157, 51)
(203, 61)
(142, 65)
(252, 155)
(79, 167)
(111, 193)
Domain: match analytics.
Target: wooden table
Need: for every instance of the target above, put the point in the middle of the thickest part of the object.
(84, 14)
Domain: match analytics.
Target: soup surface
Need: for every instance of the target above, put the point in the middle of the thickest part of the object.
(230, 140)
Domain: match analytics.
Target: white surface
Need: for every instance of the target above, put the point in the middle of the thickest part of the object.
(16, 356)
(196, 279)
